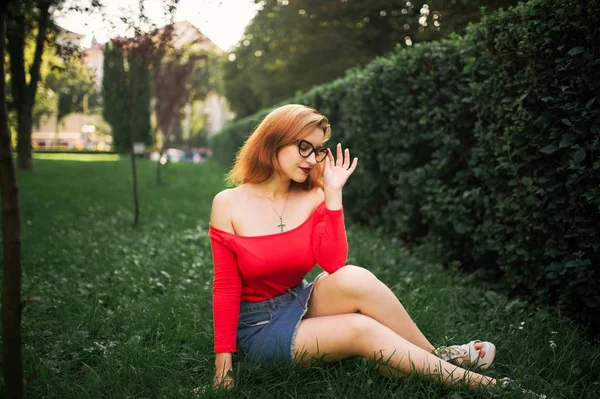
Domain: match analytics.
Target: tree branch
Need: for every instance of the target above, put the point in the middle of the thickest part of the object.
(34, 71)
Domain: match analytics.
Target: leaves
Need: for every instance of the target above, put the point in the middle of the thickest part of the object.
(483, 147)
(294, 46)
(549, 149)
(576, 50)
(579, 155)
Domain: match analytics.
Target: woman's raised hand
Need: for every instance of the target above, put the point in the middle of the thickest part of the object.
(337, 171)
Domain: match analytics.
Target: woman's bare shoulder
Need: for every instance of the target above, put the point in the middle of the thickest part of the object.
(318, 194)
(315, 196)
(222, 205)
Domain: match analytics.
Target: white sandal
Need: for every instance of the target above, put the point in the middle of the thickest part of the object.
(455, 354)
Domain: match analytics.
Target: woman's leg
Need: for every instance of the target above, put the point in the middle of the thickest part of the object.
(330, 338)
(355, 289)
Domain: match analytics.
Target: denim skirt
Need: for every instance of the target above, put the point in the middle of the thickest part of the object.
(267, 329)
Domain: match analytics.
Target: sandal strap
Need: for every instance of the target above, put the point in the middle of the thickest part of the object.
(449, 353)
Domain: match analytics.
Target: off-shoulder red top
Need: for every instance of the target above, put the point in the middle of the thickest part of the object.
(256, 268)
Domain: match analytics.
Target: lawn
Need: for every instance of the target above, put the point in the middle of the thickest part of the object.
(126, 311)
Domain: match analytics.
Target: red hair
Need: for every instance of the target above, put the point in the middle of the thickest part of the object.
(256, 161)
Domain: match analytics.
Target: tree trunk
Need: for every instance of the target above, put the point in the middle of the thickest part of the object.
(24, 150)
(11, 244)
(23, 92)
(136, 203)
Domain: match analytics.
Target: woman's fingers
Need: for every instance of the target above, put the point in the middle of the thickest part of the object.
(353, 166)
(332, 170)
(346, 163)
(341, 159)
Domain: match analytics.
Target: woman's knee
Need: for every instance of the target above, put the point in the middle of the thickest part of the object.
(365, 330)
(356, 280)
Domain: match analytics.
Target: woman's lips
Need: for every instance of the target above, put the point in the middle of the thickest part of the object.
(305, 170)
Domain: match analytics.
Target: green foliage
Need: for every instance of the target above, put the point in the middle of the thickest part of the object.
(126, 311)
(115, 94)
(225, 144)
(536, 159)
(71, 81)
(126, 91)
(139, 98)
(207, 76)
(483, 148)
(291, 46)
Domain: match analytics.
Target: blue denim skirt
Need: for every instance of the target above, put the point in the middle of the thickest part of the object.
(267, 329)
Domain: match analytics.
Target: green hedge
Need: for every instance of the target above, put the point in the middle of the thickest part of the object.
(482, 149)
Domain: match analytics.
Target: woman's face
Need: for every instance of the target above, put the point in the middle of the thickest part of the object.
(292, 164)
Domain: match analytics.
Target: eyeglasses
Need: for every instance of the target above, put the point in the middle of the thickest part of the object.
(305, 149)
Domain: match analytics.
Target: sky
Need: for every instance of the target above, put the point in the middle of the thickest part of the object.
(222, 21)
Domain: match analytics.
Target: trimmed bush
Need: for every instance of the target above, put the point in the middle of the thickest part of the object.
(482, 149)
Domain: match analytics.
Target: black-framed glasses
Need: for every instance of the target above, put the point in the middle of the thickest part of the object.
(305, 148)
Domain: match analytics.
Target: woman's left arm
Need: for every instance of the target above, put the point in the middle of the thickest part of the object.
(330, 243)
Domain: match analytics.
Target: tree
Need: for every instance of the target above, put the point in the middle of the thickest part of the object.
(140, 93)
(71, 84)
(23, 91)
(141, 49)
(115, 94)
(138, 109)
(291, 46)
(171, 92)
(171, 70)
(11, 244)
(26, 18)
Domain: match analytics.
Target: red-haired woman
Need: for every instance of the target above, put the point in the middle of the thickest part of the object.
(283, 217)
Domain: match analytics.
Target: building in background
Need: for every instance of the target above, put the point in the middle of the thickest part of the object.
(94, 58)
(67, 38)
(74, 131)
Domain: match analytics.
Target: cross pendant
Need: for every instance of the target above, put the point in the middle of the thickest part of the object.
(281, 224)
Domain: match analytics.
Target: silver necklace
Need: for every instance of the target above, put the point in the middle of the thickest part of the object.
(281, 225)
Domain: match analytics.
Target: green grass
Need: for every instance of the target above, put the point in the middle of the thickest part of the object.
(127, 311)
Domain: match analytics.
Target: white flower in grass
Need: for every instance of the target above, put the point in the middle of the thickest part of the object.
(521, 326)
(552, 344)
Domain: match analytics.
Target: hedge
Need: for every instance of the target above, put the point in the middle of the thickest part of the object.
(482, 149)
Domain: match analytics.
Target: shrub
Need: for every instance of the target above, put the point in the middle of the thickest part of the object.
(483, 147)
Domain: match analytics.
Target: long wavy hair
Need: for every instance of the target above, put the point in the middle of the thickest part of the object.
(256, 160)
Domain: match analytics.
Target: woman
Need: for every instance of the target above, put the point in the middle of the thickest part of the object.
(284, 216)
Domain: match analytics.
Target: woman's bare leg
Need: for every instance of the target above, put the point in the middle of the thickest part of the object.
(355, 289)
(330, 338)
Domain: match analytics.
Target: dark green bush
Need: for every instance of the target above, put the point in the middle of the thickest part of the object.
(537, 146)
(484, 149)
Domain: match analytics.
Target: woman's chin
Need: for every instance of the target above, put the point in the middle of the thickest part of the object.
(300, 178)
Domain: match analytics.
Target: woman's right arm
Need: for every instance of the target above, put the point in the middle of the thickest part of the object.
(227, 289)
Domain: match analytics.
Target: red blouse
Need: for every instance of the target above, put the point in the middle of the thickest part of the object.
(256, 268)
